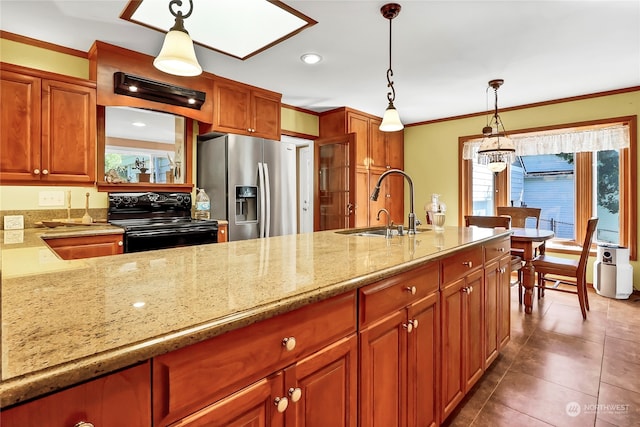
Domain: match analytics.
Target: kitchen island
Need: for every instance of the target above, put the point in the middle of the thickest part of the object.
(65, 322)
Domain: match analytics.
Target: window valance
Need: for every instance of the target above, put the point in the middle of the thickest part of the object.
(600, 139)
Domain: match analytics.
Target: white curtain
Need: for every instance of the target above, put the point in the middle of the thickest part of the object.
(600, 139)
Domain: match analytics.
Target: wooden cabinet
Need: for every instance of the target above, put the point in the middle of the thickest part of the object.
(246, 110)
(119, 399)
(462, 317)
(78, 247)
(182, 379)
(48, 134)
(375, 152)
(399, 350)
(223, 233)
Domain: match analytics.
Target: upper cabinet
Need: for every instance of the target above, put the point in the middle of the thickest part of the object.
(48, 133)
(245, 110)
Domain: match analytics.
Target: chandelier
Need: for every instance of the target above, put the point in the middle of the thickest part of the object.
(496, 149)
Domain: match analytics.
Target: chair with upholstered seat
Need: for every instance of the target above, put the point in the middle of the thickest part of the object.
(567, 268)
(498, 222)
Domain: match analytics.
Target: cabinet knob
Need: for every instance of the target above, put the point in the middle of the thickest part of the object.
(467, 289)
(408, 326)
(501, 249)
(289, 343)
(414, 322)
(36, 171)
(295, 394)
(468, 263)
(45, 172)
(411, 289)
(120, 243)
(281, 403)
(83, 424)
(221, 231)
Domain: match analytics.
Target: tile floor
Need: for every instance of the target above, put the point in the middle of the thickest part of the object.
(559, 370)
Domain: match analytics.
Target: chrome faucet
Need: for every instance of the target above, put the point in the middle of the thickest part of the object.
(412, 214)
(387, 233)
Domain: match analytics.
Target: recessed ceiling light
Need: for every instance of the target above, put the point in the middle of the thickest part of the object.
(139, 124)
(311, 58)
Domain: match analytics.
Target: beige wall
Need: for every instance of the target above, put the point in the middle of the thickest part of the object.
(431, 151)
(300, 122)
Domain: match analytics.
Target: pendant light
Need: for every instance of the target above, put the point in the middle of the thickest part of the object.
(177, 55)
(496, 149)
(391, 119)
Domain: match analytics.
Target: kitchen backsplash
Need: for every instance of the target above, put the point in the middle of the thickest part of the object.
(31, 217)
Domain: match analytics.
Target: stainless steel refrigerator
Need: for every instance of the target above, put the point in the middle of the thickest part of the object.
(252, 183)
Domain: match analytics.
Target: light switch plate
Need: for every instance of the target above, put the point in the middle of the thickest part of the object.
(13, 222)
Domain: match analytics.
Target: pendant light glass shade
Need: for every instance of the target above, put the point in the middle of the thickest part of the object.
(178, 55)
(391, 120)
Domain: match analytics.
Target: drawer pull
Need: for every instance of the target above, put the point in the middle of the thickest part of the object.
(281, 403)
(295, 394)
(408, 326)
(36, 171)
(83, 424)
(468, 263)
(501, 249)
(120, 243)
(45, 172)
(411, 289)
(289, 343)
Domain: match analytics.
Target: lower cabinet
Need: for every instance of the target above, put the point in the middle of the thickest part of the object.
(399, 350)
(86, 246)
(119, 399)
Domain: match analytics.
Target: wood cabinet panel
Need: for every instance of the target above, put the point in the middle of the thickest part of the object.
(452, 360)
(86, 246)
(119, 399)
(182, 378)
(266, 115)
(20, 96)
(362, 198)
(328, 381)
(360, 126)
(461, 263)
(395, 150)
(389, 295)
(377, 145)
(68, 132)
(504, 302)
(474, 328)
(492, 276)
(223, 233)
(496, 249)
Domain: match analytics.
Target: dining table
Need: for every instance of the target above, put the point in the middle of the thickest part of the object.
(528, 240)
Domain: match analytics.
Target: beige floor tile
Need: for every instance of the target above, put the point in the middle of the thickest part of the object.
(623, 330)
(568, 321)
(544, 400)
(625, 311)
(617, 406)
(497, 415)
(621, 373)
(545, 341)
(624, 350)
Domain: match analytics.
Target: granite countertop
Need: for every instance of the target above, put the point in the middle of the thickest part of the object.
(68, 321)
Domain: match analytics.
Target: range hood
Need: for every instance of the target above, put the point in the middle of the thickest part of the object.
(151, 90)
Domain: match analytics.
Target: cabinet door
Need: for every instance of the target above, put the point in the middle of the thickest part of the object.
(120, 399)
(377, 145)
(360, 126)
(452, 357)
(231, 108)
(265, 115)
(68, 132)
(504, 302)
(87, 247)
(255, 405)
(327, 383)
(395, 150)
(362, 193)
(492, 276)
(383, 376)
(20, 131)
(394, 199)
(474, 328)
(424, 362)
(375, 206)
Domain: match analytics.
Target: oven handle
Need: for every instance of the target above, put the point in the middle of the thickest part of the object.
(154, 233)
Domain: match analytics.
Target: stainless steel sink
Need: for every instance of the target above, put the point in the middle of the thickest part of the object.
(375, 232)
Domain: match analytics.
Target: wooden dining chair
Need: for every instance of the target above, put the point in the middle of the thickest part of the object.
(519, 215)
(498, 222)
(567, 268)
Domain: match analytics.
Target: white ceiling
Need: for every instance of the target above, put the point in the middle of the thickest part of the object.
(444, 52)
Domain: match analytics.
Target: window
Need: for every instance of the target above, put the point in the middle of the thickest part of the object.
(571, 172)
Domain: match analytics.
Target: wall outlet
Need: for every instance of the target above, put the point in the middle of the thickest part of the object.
(13, 222)
(51, 198)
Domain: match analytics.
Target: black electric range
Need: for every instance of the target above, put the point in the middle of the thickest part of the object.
(158, 221)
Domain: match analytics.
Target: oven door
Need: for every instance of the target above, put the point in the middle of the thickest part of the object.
(147, 240)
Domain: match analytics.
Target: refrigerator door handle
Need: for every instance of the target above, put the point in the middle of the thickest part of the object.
(261, 184)
(267, 186)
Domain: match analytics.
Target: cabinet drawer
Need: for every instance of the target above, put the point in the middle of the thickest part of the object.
(190, 378)
(386, 296)
(461, 263)
(497, 248)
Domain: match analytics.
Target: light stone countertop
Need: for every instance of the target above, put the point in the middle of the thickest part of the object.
(64, 322)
